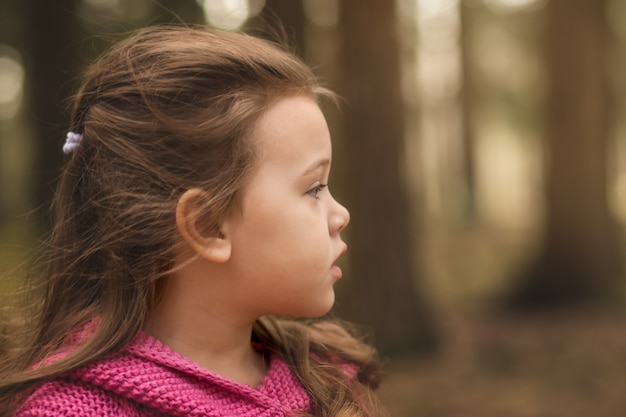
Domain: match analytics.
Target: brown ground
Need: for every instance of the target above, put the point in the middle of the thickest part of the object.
(563, 365)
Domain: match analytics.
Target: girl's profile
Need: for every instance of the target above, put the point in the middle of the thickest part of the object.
(194, 245)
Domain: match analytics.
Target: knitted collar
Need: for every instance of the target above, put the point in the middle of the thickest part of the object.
(153, 375)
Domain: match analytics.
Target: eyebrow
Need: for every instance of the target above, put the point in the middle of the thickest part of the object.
(321, 163)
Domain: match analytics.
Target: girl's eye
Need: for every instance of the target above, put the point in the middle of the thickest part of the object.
(313, 191)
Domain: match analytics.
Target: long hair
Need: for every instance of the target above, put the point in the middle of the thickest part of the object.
(161, 112)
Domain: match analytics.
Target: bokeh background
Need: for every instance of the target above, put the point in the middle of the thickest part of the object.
(480, 147)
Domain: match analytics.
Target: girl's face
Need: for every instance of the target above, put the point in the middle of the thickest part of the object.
(286, 243)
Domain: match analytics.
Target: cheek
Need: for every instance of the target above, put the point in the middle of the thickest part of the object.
(283, 221)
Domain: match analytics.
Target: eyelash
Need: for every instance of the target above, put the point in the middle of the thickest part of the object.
(313, 191)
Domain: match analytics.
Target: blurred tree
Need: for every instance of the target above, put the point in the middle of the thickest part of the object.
(11, 29)
(579, 258)
(281, 17)
(468, 100)
(11, 23)
(52, 59)
(176, 11)
(382, 290)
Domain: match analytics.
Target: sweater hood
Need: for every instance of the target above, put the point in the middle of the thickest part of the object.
(159, 379)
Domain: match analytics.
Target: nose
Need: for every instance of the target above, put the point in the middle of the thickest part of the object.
(339, 217)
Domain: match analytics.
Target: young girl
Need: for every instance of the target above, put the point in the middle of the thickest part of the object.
(193, 208)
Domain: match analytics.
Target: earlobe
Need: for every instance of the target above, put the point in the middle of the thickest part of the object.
(213, 247)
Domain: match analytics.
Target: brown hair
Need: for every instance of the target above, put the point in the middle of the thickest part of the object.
(163, 111)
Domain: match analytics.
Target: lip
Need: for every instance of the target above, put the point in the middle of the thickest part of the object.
(336, 270)
(342, 252)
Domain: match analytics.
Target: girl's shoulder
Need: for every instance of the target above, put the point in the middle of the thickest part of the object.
(146, 378)
(67, 397)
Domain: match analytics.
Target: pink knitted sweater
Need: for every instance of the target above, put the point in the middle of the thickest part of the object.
(149, 379)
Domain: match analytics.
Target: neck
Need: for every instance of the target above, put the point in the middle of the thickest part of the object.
(203, 329)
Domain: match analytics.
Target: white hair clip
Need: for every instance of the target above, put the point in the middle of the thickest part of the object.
(72, 140)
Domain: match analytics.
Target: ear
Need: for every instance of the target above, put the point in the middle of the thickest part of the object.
(214, 247)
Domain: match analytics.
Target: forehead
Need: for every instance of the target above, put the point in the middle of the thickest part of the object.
(292, 130)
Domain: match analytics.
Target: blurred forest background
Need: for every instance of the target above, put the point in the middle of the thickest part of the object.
(481, 150)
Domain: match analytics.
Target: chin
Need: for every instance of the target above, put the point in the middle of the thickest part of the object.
(321, 309)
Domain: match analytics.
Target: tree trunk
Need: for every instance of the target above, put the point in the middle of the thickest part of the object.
(282, 17)
(382, 290)
(12, 190)
(579, 260)
(468, 101)
(176, 11)
(52, 53)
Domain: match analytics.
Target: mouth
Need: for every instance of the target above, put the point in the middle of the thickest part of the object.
(336, 270)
